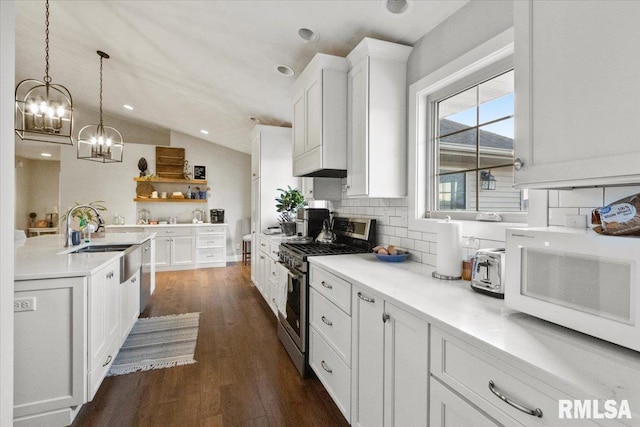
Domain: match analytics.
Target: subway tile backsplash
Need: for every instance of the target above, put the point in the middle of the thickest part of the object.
(392, 217)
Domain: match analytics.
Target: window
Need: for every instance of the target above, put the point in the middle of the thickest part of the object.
(472, 135)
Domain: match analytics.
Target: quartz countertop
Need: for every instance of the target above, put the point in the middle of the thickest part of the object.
(45, 257)
(568, 360)
(184, 224)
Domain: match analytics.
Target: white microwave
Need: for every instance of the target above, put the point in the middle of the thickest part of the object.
(578, 279)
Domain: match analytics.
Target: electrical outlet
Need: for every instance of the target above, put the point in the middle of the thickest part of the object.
(237, 246)
(24, 304)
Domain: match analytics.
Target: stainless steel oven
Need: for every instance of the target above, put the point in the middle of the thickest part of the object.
(354, 236)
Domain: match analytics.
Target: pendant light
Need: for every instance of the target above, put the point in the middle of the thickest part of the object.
(100, 143)
(44, 111)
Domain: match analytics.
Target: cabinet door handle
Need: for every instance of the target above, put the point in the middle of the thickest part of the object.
(169, 232)
(326, 285)
(326, 321)
(133, 280)
(533, 412)
(326, 367)
(517, 164)
(263, 245)
(385, 317)
(367, 299)
(107, 362)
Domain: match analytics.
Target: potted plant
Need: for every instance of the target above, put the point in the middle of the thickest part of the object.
(288, 203)
(32, 219)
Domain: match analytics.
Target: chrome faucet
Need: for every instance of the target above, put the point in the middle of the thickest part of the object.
(68, 242)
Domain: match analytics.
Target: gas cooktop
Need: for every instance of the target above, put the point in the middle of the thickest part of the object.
(323, 248)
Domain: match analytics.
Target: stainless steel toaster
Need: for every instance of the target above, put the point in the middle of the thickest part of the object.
(488, 272)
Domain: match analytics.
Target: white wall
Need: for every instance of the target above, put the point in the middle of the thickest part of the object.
(228, 175)
(7, 216)
(37, 189)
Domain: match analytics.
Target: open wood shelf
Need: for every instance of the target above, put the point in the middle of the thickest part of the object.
(171, 180)
(168, 199)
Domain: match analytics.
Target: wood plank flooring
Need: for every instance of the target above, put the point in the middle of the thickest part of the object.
(243, 376)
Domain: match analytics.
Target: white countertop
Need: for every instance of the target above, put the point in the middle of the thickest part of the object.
(568, 360)
(184, 224)
(43, 257)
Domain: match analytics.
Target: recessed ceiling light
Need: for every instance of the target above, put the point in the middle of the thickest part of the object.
(46, 154)
(308, 35)
(285, 70)
(128, 107)
(206, 132)
(396, 7)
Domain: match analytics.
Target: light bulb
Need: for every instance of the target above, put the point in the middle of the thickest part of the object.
(93, 140)
(60, 111)
(50, 111)
(33, 108)
(43, 106)
(100, 140)
(108, 142)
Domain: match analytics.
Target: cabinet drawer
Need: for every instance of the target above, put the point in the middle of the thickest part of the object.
(211, 241)
(211, 229)
(331, 286)
(171, 231)
(101, 367)
(210, 255)
(334, 374)
(450, 410)
(469, 371)
(332, 323)
(274, 248)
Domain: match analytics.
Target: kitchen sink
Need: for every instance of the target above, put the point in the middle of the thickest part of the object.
(130, 262)
(102, 248)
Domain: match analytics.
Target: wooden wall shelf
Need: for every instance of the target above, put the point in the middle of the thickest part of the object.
(171, 180)
(168, 199)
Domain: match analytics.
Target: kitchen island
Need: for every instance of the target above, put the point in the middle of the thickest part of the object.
(446, 352)
(72, 312)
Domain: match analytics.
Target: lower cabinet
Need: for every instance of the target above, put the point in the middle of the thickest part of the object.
(211, 246)
(390, 371)
(129, 296)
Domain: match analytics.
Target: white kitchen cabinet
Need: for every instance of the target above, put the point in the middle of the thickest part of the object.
(319, 99)
(368, 364)
(576, 93)
(49, 347)
(450, 410)
(211, 246)
(175, 247)
(376, 141)
(394, 345)
(271, 149)
(322, 188)
(103, 314)
(129, 305)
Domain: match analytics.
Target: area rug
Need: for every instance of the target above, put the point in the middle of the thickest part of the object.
(158, 342)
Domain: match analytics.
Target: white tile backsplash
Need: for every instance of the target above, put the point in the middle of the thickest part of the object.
(557, 215)
(581, 197)
(612, 194)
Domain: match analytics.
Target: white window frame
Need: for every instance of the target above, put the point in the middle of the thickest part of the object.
(421, 160)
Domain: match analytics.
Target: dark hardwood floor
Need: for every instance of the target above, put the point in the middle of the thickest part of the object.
(243, 375)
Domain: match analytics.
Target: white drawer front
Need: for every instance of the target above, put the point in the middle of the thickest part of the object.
(334, 374)
(331, 286)
(101, 367)
(210, 255)
(273, 250)
(211, 241)
(211, 229)
(171, 231)
(332, 323)
(469, 370)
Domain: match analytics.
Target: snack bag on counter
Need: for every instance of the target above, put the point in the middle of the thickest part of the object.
(621, 217)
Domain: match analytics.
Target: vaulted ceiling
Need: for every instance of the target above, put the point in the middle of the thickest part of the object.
(192, 65)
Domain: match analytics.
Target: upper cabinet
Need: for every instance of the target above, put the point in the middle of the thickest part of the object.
(377, 121)
(320, 118)
(576, 84)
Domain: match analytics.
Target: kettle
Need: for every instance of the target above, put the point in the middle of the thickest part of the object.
(326, 235)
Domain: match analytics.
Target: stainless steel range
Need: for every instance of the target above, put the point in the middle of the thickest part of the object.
(352, 236)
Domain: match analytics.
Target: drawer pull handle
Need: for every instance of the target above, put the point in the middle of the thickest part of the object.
(327, 322)
(385, 317)
(533, 412)
(107, 362)
(367, 299)
(169, 232)
(326, 367)
(326, 285)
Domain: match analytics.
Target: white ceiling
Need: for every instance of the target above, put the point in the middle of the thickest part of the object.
(191, 65)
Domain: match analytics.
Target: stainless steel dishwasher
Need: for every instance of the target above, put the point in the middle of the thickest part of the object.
(145, 277)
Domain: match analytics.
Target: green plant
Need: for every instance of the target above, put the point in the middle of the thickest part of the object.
(289, 202)
(85, 215)
(33, 215)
